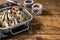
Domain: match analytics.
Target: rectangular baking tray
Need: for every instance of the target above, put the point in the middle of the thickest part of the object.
(26, 23)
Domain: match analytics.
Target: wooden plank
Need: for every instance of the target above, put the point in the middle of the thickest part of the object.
(45, 26)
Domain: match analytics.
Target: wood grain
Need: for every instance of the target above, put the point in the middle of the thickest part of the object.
(45, 26)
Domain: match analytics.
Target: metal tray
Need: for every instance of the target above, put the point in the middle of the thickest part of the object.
(5, 35)
(10, 29)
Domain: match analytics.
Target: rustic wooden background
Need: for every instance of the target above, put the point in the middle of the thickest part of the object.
(45, 26)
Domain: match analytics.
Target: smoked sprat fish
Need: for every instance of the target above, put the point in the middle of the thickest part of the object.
(12, 16)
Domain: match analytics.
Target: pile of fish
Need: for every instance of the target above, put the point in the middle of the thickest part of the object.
(13, 16)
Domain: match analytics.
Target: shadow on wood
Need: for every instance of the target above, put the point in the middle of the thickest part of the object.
(35, 26)
(46, 13)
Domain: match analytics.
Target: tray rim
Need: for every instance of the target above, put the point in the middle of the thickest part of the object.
(18, 23)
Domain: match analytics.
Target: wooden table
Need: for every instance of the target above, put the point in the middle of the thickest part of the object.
(45, 26)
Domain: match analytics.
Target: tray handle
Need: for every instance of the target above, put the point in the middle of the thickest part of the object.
(11, 31)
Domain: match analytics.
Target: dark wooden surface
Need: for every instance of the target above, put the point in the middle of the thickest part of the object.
(45, 26)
